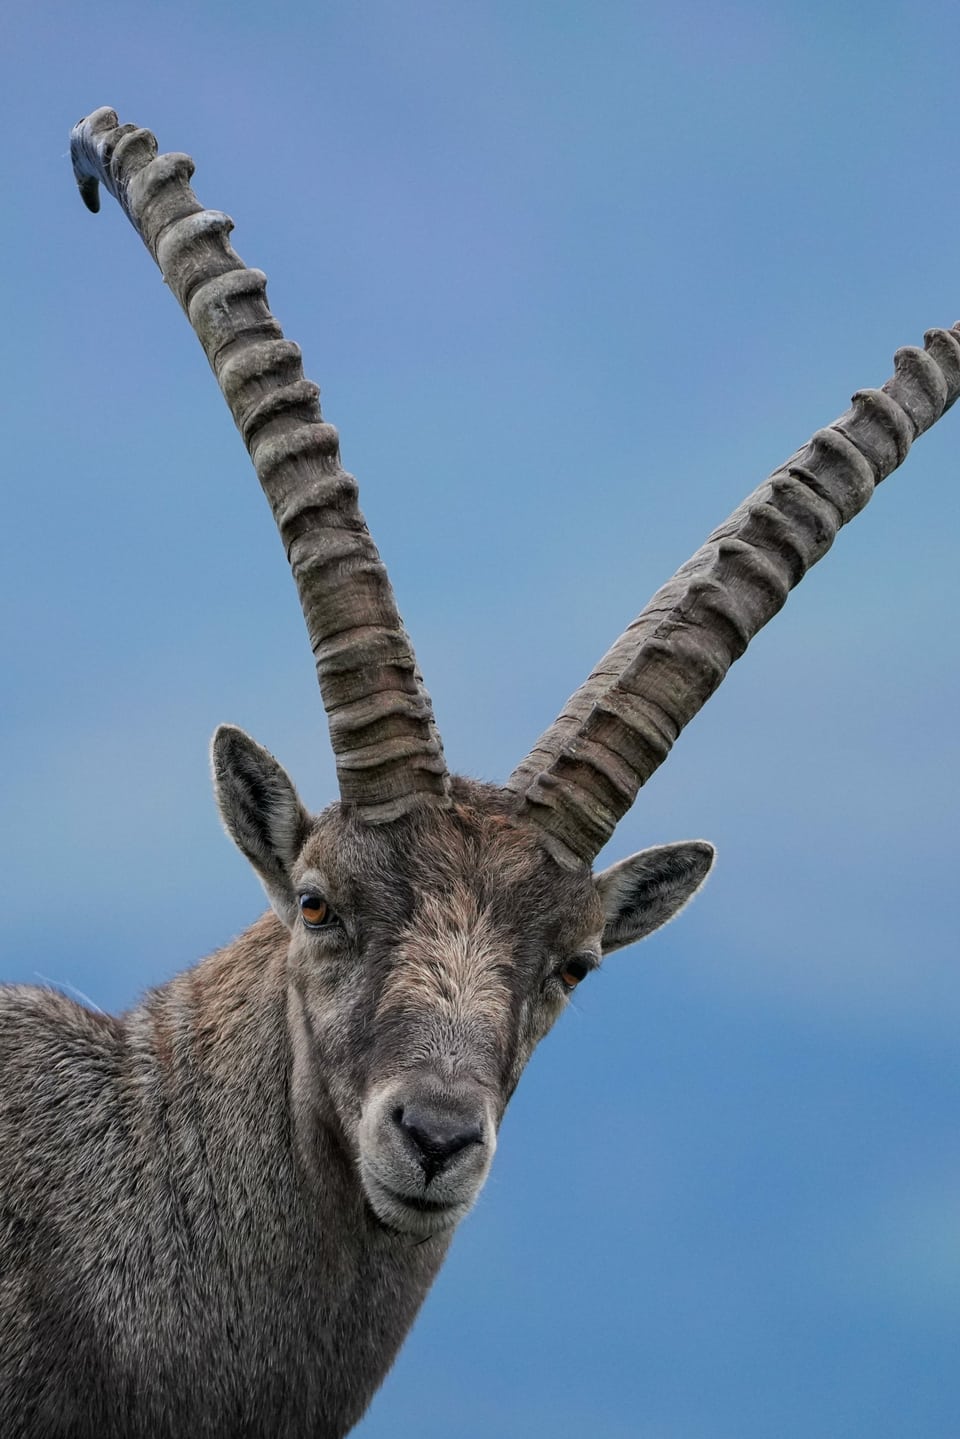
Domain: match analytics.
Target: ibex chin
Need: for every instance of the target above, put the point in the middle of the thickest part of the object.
(221, 1211)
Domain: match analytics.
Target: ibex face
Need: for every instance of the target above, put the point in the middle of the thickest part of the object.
(427, 958)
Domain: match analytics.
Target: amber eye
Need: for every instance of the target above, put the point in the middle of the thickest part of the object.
(573, 971)
(314, 910)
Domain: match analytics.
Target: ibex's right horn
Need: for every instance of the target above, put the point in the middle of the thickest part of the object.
(583, 774)
(387, 749)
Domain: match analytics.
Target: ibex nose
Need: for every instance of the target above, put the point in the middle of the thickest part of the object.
(435, 1134)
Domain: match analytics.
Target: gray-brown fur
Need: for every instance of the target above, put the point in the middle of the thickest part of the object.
(169, 1267)
(189, 1243)
(220, 1212)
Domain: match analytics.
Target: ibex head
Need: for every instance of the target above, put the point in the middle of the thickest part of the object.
(427, 957)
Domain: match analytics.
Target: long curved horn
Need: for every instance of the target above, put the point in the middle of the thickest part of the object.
(583, 774)
(387, 748)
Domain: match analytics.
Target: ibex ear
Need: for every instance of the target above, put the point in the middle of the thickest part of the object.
(641, 893)
(261, 812)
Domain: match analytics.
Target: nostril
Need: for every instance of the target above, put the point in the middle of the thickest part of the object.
(435, 1134)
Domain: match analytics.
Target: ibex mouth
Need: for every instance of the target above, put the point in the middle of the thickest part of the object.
(425, 1206)
(409, 1214)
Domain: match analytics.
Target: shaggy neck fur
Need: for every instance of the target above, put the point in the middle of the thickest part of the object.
(235, 1280)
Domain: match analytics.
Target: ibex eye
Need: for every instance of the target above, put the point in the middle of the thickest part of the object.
(573, 971)
(314, 911)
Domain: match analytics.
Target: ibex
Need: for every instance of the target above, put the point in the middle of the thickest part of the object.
(221, 1211)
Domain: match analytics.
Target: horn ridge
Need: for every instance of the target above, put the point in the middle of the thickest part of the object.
(585, 771)
(387, 749)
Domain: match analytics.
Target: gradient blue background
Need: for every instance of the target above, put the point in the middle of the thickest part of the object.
(574, 278)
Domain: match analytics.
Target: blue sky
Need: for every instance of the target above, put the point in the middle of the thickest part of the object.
(573, 279)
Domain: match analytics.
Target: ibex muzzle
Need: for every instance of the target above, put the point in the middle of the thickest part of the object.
(425, 1149)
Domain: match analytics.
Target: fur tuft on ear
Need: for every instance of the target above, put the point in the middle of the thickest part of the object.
(261, 812)
(645, 891)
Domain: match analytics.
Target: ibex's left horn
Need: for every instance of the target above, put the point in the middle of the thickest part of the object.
(583, 774)
(387, 749)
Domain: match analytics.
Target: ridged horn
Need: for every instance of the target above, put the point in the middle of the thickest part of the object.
(387, 749)
(583, 774)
